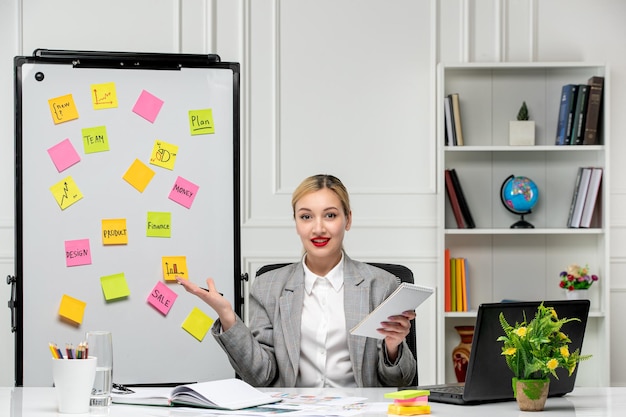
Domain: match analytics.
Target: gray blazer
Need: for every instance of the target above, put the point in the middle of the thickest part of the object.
(267, 352)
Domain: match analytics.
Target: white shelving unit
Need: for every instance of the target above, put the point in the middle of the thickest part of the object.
(520, 264)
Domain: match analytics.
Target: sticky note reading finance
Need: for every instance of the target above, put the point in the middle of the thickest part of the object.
(63, 155)
(183, 192)
(197, 324)
(77, 252)
(163, 154)
(174, 266)
(114, 286)
(139, 175)
(159, 224)
(103, 96)
(162, 298)
(95, 139)
(148, 106)
(66, 192)
(72, 309)
(201, 122)
(114, 232)
(63, 109)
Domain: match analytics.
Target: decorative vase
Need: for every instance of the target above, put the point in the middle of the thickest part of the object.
(461, 353)
(577, 294)
(522, 132)
(531, 394)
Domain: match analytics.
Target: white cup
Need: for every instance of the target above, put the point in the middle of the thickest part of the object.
(73, 381)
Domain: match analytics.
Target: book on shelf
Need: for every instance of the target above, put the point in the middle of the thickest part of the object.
(592, 197)
(449, 121)
(581, 196)
(566, 114)
(580, 114)
(446, 283)
(456, 113)
(453, 294)
(454, 201)
(574, 196)
(225, 394)
(594, 111)
(465, 210)
(458, 296)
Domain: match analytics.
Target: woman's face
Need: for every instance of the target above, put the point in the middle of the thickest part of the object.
(321, 223)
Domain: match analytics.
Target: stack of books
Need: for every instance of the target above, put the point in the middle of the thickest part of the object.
(456, 197)
(452, 116)
(580, 112)
(456, 283)
(408, 402)
(584, 210)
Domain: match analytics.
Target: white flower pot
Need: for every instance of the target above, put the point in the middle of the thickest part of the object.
(577, 294)
(521, 132)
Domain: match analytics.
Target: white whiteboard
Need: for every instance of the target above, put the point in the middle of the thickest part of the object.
(149, 346)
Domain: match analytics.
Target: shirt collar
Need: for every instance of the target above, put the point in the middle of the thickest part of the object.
(334, 276)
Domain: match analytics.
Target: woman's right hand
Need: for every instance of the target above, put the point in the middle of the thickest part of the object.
(214, 299)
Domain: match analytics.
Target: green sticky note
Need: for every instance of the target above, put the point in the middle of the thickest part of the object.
(197, 324)
(114, 286)
(95, 139)
(407, 393)
(159, 224)
(201, 122)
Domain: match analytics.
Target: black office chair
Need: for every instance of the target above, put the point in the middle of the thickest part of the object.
(402, 274)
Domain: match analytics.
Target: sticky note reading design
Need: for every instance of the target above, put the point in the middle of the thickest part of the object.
(95, 139)
(163, 154)
(63, 109)
(63, 155)
(183, 192)
(197, 324)
(201, 122)
(162, 298)
(159, 224)
(114, 232)
(72, 309)
(174, 266)
(77, 252)
(114, 286)
(66, 192)
(148, 106)
(103, 96)
(139, 175)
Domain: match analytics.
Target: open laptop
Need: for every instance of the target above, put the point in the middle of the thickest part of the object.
(488, 378)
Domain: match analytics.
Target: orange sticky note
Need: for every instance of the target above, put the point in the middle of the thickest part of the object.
(72, 309)
(197, 324)
(63, 109)
(174, 266)
(114, 232)
(139, 175)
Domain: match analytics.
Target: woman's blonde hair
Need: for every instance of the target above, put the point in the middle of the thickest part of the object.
(318, 182)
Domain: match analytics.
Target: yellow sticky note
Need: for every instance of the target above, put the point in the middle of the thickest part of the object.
(114, 286)
(139, 175)
(407, 393)
(174, 266)
(63, 109)
(72, 309)
(159, 224)
(66, 192)
(114, 232)
(412, 410)
(103, 96)
(95, 139)
(163, 154)
(201, 122)
(197, 324)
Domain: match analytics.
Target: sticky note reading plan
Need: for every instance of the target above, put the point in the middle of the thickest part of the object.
(197, 324)
(201, 122)
(183, 192)
(162, 298)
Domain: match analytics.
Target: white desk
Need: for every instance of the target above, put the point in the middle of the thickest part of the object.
(583, 402)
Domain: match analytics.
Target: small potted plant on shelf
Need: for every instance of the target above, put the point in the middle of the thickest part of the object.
(576, 280)
(522, 130)
(534, 350)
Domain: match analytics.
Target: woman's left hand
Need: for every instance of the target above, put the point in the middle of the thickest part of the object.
(395, 330)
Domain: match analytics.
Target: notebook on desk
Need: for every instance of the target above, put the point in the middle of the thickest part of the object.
(488, 378)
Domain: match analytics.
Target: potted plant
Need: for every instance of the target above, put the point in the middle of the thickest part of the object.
(533, 351)
(576, 281)
(522, 130)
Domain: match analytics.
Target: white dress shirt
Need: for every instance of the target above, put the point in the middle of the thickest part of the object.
(324, 355)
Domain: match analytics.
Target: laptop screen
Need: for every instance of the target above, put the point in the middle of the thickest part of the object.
(488, 377)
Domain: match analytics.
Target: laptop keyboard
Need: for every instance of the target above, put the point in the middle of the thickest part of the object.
(452, 389)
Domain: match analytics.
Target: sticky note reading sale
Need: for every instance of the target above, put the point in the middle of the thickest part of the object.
(183, 192)
(63, 109)
(162, 298)
(63, 155)
(77, 252)
(139, 175)
(72, 309)
(197, 324)
(114, 286)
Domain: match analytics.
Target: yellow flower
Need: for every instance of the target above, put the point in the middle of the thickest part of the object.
(564, 351)
(552, 364)
(521, 332)
(553, 311)
(510, 351)
(562, 336)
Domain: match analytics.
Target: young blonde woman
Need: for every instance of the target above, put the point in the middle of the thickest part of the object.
(301, 314)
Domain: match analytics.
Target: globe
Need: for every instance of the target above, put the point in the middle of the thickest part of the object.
(519, 195)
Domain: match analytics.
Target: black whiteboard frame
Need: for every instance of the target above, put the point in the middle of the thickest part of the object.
(125, 61)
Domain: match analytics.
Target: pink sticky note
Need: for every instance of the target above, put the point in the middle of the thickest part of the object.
(77, 252)
(162, 298)
(148, 106)
(63, 155)
(183, 192)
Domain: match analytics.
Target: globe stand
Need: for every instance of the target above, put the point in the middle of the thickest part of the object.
(522, 224)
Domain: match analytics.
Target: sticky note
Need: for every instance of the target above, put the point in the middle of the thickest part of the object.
(77, 252)
(197, 324)
(412, 401)
(139, 175)
(114, 286)
(407, 393)
(103, 96)
(95, 139)
(159, 224)
(72, 309)
(63, 109)
(163, 154)
(114, 232)
(413, 410)
(63, 155)
(174, 266)
(201, 122)
(148, 106)
(162, 298)
(66, 192)
(183, 192)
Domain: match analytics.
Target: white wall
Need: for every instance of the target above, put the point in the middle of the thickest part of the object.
(340, 86)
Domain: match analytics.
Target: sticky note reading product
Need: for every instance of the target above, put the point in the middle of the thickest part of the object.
(162, 298)
(139, 175)
(174, 266)
(114, 232)
(72, 309)
(66, 192)
(159, 224)
(163, 154)
(114, 286)
(183, 192)
(77, 252)
(63, 155)
(148, 106)
(103, 96)
(95, 139)
(63, 109)
(201, 122)
(197, 324)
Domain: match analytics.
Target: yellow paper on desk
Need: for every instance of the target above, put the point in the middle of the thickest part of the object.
(411, 410)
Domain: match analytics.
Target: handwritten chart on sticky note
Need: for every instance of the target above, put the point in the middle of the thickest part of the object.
(164, 154)
(104, 96)
(174, 266)
(66, 192)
